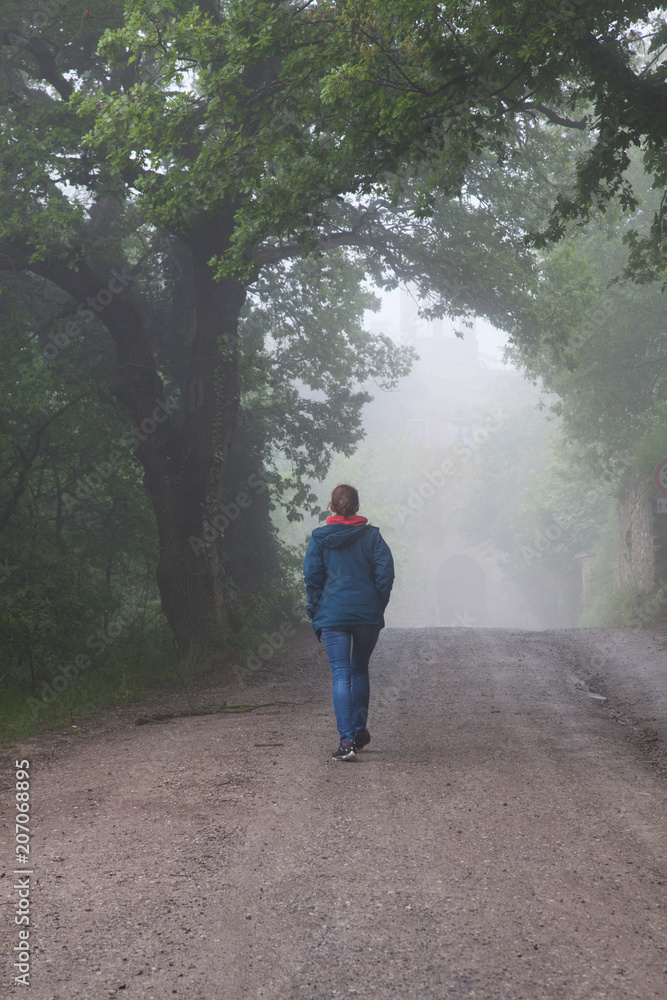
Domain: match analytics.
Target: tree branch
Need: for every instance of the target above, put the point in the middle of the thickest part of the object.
(46, 66)
(554, 117)
(644, 98)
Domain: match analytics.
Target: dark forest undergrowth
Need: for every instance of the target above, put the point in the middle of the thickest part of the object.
(136, 669)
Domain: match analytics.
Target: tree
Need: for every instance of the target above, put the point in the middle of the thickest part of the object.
(609, 384)
(251, 133)
(72, 218)
(240, 168)
(77, 545)
(456, 78)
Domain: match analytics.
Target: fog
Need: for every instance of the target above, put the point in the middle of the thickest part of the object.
(420, 472)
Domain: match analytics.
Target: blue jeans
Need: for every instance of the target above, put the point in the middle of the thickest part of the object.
(349, 651)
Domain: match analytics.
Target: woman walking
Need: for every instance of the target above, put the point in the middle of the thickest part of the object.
(349, 573)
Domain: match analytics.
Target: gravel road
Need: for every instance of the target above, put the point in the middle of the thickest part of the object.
(503, 836)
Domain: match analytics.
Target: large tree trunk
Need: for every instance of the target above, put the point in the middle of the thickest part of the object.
(191, 571)
(184, 465)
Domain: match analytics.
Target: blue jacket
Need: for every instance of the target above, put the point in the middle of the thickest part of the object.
(349, 573)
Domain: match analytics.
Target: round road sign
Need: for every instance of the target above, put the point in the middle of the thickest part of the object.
(660, 476)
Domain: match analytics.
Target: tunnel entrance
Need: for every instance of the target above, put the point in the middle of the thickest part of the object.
(461, 591)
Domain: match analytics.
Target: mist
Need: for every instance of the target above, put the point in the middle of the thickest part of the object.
(424, 471)
(251, 252)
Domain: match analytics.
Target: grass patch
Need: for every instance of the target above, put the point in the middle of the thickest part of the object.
(136, 665)
(142, 662)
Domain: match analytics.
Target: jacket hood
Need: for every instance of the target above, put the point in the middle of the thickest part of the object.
(338, 536)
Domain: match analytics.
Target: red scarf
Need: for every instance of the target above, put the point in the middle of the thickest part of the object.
(353, 519)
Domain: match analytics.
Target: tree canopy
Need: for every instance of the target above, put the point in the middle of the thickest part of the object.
(228, 149)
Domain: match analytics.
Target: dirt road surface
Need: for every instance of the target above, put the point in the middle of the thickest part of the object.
(503, 836)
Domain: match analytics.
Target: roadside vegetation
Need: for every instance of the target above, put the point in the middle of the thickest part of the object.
(197, 200)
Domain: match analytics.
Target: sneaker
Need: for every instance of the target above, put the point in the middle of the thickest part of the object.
(344, 751)
(361, 739)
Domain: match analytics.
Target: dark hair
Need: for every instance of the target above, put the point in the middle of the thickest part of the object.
(345, 500)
